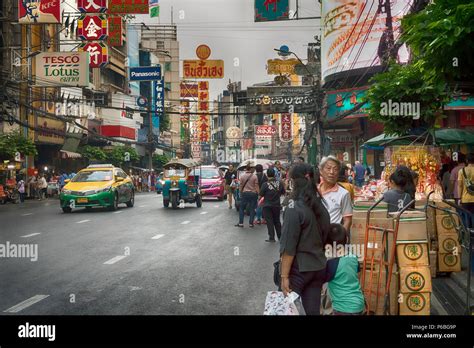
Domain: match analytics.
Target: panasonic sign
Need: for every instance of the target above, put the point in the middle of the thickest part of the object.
(145, 73)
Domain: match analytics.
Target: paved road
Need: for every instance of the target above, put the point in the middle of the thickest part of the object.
(144, 260)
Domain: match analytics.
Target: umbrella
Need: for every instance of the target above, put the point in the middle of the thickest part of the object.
(443, 137)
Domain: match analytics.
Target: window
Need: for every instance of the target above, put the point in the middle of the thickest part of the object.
(168, 86)
(167, 66)
(93, 175)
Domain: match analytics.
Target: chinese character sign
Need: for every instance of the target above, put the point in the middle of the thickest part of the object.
(204, 128)
(271, 10)
(115, 31)
(92, 27)
(286, 133)
(159, 98)
(92, 6)
(128, 7)
(98, 53)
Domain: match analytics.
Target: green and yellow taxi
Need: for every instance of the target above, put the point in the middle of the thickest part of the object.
(98, 186)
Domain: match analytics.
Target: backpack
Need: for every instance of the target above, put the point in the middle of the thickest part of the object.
(468, 183)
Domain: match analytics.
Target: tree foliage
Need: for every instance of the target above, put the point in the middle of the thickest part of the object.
(93, 153)
(441, 40)
(160, 160)
(13, 142)
(116, 156)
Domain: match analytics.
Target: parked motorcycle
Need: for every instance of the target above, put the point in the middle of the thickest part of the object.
(12, 195)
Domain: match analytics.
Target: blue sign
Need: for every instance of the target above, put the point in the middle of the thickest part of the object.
(271, 10)
(141, 101)
(145, 73)
(159, 103)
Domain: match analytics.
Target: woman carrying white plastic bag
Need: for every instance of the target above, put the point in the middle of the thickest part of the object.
(277, 303)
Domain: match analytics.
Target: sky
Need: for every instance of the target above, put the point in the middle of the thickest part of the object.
(228, 28)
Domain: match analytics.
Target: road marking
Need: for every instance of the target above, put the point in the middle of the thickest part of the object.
(25, 304)
(118, 212)
(82, 221)
(185, 222)
(26, 214)
(142, 206)
(204, 213)
(158, 236)
(30, 235)
(115, 259)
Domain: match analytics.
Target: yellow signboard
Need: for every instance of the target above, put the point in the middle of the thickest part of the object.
(203, 69)
(280, 66)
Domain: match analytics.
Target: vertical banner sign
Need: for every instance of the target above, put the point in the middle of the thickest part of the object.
(154, 8)
(39, 11)
(98, 53)
(159, 97)
(184, 120)
(203, 112)
(92, 27)
(286, 128)
(92, 6)
(271, 10)
(115, 31)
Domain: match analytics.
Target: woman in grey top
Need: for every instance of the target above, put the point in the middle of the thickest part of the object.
(305, 229)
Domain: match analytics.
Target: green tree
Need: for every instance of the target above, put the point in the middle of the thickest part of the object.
(13, 142)
(93, 153)
(441, 40)
(160, 160)
(116, 156)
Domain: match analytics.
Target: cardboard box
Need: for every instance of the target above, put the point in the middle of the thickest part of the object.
(376, 303)
(448, 243)
(412, 228)
(415, 303)
(367, 204)
(446, 223)
(413, 255)
(433, 263)
(449, 262)
(415, 279)
(431, 223)
(442, 205)
(361, 208)
(374, 244)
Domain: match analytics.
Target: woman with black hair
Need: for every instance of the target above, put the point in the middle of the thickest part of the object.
(306, 225)
(401, 184)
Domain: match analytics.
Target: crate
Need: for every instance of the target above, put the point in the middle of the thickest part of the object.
(448, 243)
(415, 303)
(446, 223)
(433, 263)
(448, 262)
(377, 304)
(413, 255)
(358, 230)
(431, 227)
(415, 279)
(412, 227)
(442, 205)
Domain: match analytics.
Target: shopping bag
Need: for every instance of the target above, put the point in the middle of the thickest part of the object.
(277, 304)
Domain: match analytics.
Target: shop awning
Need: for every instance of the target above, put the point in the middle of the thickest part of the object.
(443, 137)
(70, 154)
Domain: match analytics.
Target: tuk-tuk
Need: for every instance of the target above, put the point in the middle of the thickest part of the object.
(179, 185)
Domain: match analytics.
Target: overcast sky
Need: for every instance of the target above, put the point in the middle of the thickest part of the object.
(228, 28)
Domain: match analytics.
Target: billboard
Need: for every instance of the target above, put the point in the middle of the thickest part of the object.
(62, 68)
(265, 130)
(271, 99)
(271, 10)
(352, 32)
(128, 7)
(203, 69)
(40, 11)
(189, 90)
(341, 101)
(145, 73)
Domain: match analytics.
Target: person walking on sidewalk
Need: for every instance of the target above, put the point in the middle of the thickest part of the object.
(262, 178)
(229, 177)
(271, 192)
(466, 190)
(21, 189)
(42, 187)
(248, 195)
